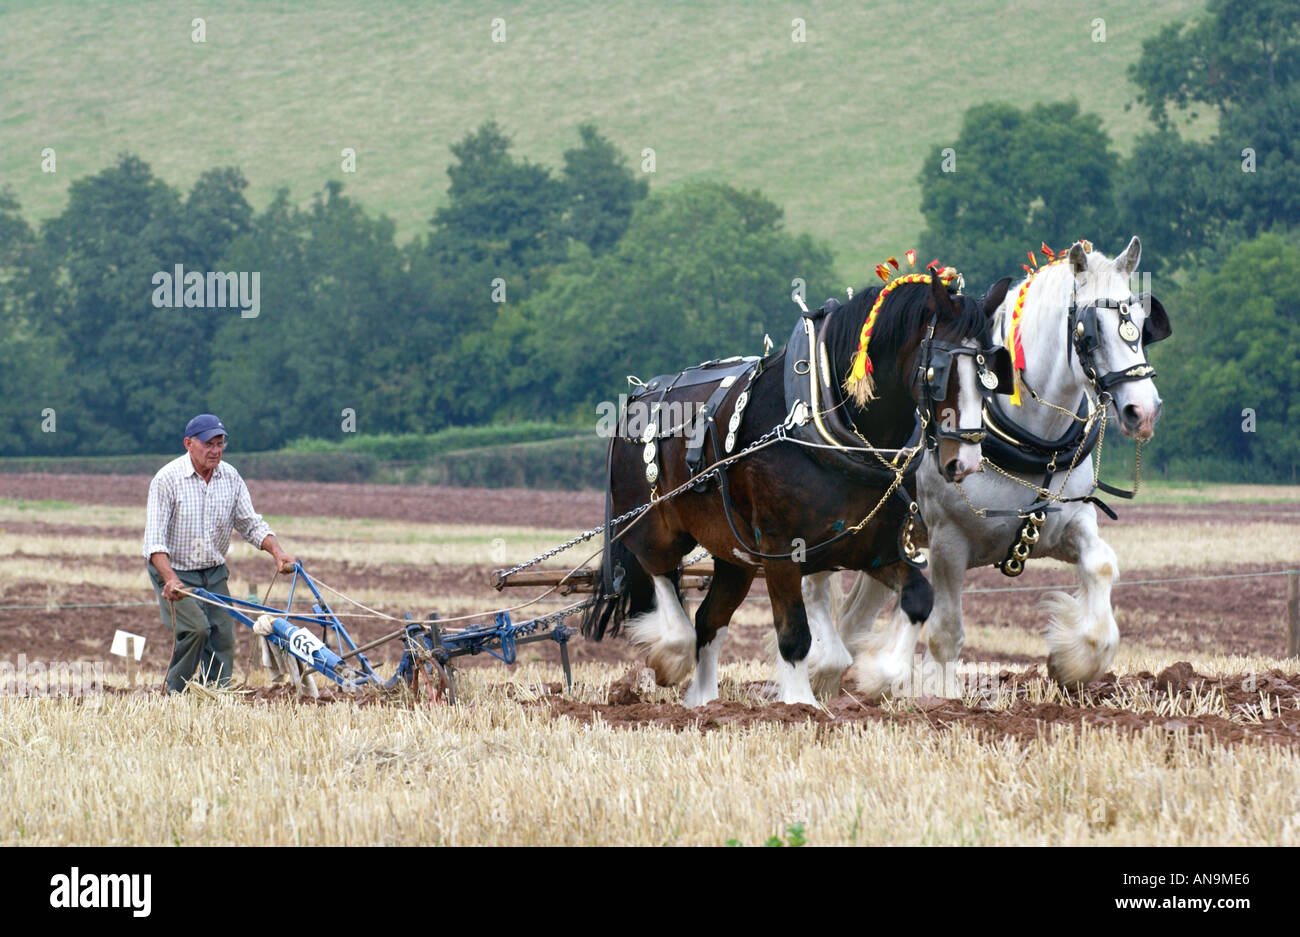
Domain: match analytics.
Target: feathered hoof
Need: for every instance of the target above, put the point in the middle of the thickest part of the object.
(1072, 670)
(827, 680)
(671, 661)
(825, 675)
(874, 679)
(1079, 650)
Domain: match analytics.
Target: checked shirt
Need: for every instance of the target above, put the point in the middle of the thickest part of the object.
(190, 520)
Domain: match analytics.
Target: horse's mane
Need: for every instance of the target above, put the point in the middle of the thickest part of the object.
(903, 314)
(1043, 276)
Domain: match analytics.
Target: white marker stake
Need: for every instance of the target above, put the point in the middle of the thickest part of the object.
(130, 646)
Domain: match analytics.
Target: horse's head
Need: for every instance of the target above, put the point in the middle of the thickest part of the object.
(937, 341)
(955, 368)
(1109, 329)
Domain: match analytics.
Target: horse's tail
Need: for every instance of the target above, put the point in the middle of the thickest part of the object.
(623, 588)
(625, 591)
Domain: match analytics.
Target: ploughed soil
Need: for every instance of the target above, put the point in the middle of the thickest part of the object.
(423, 504)
(1230, 616)
(1005, 708)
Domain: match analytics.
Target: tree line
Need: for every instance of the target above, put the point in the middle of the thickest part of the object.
(1217, 218)
(536, 290)
(533, 294)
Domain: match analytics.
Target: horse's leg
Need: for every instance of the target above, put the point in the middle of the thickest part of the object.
(1081, 632)
(666, 635)
(884, 662)
(945, 635)
(828, 658)
(793, 638)
(861, 606)
(728, 589)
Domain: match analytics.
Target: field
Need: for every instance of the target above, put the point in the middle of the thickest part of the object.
(278, 90)
(1193, 739)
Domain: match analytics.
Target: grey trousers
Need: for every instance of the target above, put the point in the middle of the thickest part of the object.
(205, 634)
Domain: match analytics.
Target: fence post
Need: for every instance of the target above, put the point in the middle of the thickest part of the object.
(1293, 614)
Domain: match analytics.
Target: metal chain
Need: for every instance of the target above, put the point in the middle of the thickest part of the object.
(898, 480)
(547, 621)
(775, 434)
(573, 542)
(1070, 413)
(1045, 493)
(760, 442)
(891, 465)
(978, 512)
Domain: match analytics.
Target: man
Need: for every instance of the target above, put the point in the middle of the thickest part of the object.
(194, 501)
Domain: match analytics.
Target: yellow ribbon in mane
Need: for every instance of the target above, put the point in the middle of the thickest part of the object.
(859, 382)
(1015, 342)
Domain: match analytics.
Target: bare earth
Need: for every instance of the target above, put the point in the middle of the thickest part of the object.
(1235, 616)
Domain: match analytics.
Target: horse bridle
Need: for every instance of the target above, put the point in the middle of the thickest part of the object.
(1083, 336)
(993, 367)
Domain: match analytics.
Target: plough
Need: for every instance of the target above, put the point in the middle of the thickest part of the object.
(427, 646)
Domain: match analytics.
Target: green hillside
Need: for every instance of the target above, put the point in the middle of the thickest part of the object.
(833, 129)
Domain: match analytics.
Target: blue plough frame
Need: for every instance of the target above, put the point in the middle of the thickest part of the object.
(425, 642)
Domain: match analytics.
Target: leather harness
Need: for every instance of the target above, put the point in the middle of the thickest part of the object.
(1015, 449)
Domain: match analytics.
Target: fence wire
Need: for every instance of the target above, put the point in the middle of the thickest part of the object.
(757, 598)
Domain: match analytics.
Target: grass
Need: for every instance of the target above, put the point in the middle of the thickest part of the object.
(1159, 491)
(834, 129)
(197, 770)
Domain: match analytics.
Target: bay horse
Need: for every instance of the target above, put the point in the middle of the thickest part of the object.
(1082, 339)
(790, 501)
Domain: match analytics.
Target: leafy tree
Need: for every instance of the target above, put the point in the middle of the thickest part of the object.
(602, 191)
(32, 364)
(1169, 194)
(335, 329)
(504, 212)
(1233, 349)
(1242, 61)
(1237, 54)
(1022, 178)
(701, 272)
(139, 367)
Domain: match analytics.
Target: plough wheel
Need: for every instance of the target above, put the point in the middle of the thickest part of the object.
(441, 689)
(446, 689)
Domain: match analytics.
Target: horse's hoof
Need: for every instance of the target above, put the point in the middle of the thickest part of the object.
(872, 681)
(671, 664)
(1068, 672)
(695, 697)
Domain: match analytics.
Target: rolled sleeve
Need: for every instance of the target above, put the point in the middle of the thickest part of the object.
(247, 521)
(158, 512)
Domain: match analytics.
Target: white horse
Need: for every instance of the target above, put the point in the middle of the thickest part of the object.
(1088, 296)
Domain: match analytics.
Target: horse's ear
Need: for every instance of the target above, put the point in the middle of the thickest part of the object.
(1078, 257)
(1156, 328)
(940, 301)
(995, 295)
(1004, 370)
(1127, 261)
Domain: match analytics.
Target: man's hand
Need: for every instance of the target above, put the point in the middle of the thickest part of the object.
(172, 590)
(283, 561)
